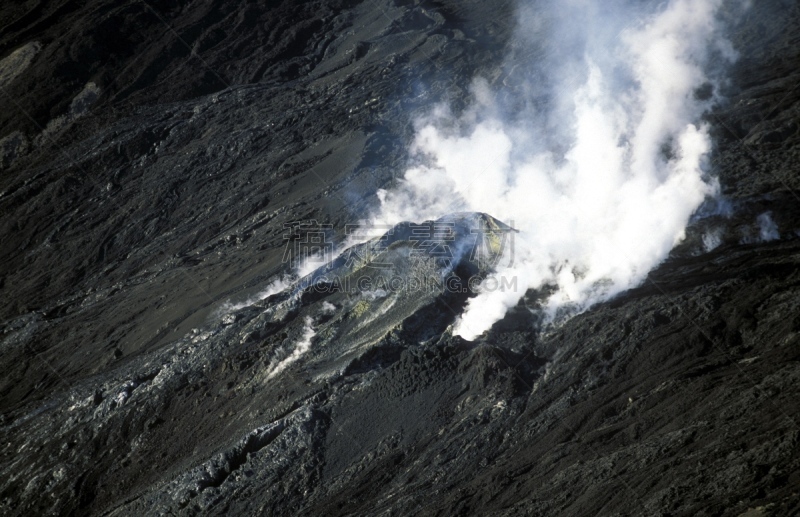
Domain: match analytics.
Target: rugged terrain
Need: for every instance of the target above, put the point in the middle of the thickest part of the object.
(150, 158)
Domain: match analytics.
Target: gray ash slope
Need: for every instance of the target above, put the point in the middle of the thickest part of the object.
(150, 158)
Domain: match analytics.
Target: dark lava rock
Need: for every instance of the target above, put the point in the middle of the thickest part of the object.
(151, 157)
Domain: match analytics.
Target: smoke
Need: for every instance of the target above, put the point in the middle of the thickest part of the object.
(764, 230)
(712, 239)
(275, 287)
(280, 284)
(300, 348)
(767, 229)
(327, 308)
(591, 143)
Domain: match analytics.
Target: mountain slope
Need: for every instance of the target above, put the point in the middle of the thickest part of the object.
(151, 158)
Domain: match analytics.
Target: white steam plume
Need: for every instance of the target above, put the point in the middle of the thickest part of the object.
(281, 283)
(302, 346)
(275, 287)
(603, 177)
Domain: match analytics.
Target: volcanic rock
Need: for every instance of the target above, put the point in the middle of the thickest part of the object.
(152, 157)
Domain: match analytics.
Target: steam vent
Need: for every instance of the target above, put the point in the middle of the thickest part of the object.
(400, 258)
